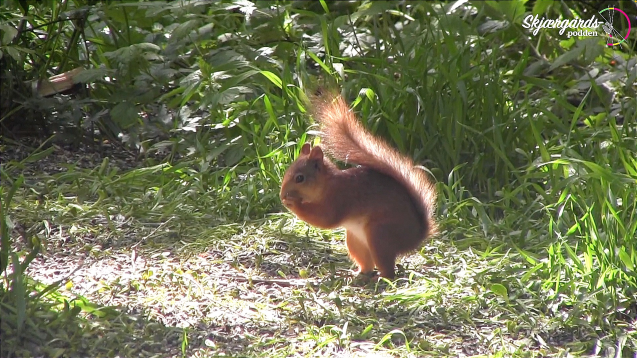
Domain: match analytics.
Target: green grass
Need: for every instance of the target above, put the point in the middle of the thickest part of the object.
(467, 292)
(190, 253)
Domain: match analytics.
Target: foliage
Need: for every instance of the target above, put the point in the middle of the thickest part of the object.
(532, 140)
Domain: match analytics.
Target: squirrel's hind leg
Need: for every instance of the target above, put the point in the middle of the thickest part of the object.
(359, 252)
(383, 248)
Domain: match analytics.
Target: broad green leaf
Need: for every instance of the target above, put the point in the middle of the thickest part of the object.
(124, 114)
(500, 290)
(511, 10)
(541, 6)
(8, 33)
(567, 57)
(234, 155)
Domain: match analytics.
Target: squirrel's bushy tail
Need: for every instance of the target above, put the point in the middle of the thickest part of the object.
(345, 138)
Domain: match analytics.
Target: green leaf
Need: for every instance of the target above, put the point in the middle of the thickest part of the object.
(372, 8)
(318, 60)
(234, 155)
(276, 80)
(19, 291)
(185, 28)
(512, 10)
(324, 5)
(8, 33)
(541, 6)
(500, 290)
(93, 74)
(38, 155)
(5, 204)
(593, 47)
(576, 260)
(527, 275)
(124, 114)
(623, 255)
(567, 57)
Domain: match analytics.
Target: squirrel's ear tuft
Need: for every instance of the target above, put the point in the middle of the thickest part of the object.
(316, 153)
(305, 150)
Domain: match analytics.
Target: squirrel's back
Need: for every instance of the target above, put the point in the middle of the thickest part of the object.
(344, 137)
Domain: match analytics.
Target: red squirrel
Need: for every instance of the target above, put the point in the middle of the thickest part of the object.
(385, 203)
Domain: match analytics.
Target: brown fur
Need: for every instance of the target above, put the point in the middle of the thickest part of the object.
(386, 204)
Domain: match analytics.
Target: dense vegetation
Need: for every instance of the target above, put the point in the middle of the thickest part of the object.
(139, 206)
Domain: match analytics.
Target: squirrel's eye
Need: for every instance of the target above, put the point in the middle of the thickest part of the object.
(299, 178)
